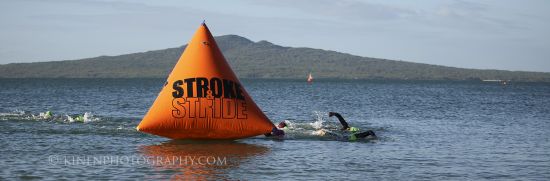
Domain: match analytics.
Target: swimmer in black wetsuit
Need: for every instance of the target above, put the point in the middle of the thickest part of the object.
(275, 132)
(354, 132)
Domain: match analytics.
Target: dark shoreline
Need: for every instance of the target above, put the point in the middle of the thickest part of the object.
(295, 80)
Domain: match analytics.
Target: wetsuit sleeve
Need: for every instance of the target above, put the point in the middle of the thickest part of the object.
(342, 121)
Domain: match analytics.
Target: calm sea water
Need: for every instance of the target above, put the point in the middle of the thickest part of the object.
(427, 130)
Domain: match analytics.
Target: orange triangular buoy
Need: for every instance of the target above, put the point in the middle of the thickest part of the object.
(203, 99)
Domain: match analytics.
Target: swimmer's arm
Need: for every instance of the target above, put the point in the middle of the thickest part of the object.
(342, 121)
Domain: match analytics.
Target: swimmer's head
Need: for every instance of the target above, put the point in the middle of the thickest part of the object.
(282, 124)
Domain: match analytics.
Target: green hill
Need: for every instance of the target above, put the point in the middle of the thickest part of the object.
(259, 60)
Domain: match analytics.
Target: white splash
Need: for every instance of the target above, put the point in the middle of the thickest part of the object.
(88, 117)
(318, 124)
(85, 118)
(69, 119)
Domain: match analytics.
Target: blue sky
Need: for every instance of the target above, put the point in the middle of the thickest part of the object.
(484, 34)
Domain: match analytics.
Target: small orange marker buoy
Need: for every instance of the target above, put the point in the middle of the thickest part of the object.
(309, 78)
(204, 99)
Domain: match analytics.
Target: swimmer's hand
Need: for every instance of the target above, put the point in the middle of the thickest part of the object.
(320, 132)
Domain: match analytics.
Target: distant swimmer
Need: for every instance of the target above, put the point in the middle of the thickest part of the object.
(79, 118)
(353, 131)
(48, 114)
(44, 115)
